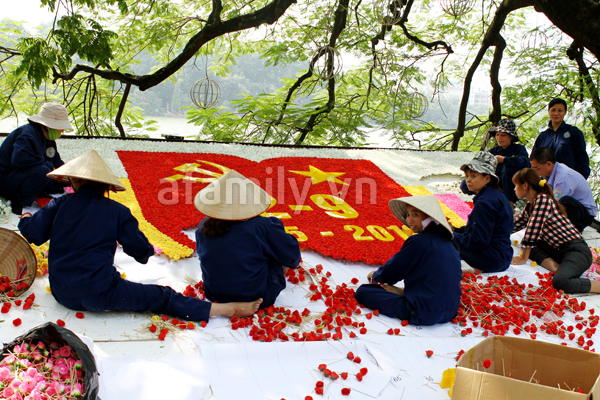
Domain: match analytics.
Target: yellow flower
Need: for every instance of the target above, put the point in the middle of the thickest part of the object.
(533, 264)
(155, 318)
(169, 247)
(48, 289)
(123, 275)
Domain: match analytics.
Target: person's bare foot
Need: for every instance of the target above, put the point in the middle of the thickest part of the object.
(238, 309)
(595, 286)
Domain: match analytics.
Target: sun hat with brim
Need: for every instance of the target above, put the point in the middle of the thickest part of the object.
(484, 162)
(232, 197)
(508, 126)
(89, 166)
(53, 115)
(17, 263)
(429, 204)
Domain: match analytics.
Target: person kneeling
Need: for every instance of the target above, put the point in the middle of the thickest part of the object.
(550, 238)
(428, 262)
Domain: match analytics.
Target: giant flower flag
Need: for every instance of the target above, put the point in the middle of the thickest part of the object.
(337, 207)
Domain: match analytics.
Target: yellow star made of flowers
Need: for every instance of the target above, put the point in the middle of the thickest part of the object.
(318, 176)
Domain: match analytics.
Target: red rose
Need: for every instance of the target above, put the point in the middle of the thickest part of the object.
(350, 356)
(345, 391)
(357, 360)
(79, 315)
(17, 322)
(429, 353)
(60, 322)
(153, 328)
(487, 363)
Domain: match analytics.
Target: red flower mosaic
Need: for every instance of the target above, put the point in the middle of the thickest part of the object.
(337, 207)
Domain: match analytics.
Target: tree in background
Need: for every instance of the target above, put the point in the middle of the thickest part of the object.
(408, 56)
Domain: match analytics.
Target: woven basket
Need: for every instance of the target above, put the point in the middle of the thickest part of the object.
(17, 260)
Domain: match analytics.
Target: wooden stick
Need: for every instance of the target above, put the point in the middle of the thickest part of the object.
(532, 375)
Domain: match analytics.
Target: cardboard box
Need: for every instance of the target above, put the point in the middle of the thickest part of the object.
(526, 369)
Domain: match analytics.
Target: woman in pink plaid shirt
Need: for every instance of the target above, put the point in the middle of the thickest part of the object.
(550, 238)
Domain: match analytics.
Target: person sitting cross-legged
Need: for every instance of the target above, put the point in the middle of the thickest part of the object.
(428, 263)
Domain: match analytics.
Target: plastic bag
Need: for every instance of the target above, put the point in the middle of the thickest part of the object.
(50, 332)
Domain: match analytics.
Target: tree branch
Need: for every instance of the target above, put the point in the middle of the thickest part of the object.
(213, 29)
(579, 19)
(490, 39)
(341, 14)
(120, 111)
(576, 53)
(430, 45)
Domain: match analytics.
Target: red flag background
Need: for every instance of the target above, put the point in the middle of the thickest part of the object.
(337, 207)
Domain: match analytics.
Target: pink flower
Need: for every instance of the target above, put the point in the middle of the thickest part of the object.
(4, 374)
(36, 395)
(65, 351)
(77, 390)
(63, 369)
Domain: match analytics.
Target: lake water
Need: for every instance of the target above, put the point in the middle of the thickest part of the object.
(179, 126)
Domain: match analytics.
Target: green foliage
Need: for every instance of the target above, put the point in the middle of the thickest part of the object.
(257, 69)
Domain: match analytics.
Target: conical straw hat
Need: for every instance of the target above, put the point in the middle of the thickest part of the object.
(232, 197)
(17, 261)
(89, 166)
(429, 204)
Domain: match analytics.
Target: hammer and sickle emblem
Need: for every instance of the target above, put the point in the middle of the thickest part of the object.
(209, 176)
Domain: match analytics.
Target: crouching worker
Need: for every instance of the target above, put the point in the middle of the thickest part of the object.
(550, 238)
(28, 153)
(243, 256)
(428, 263)
(84, 228)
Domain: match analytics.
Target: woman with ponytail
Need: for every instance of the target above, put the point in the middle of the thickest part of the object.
(550, 238)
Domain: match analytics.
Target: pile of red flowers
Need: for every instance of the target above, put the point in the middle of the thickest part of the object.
(8, 287)
(500, 305)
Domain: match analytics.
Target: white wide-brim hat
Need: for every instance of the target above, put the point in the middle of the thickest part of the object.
(232, 197)
(89, 166)
(429, 204)
(53, 115)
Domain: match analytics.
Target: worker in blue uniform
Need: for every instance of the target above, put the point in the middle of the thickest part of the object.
(84, 229)
(428, 263)
(243, 255)
(28, 153)
(511, 157)
(566, 141)
(484, 242)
